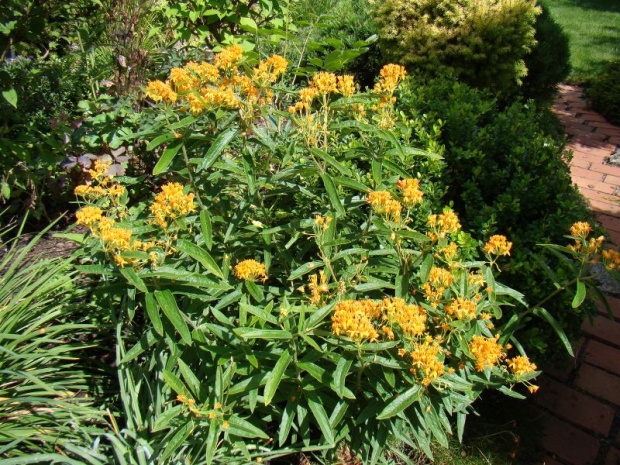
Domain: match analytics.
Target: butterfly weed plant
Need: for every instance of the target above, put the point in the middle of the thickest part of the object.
(294, 285)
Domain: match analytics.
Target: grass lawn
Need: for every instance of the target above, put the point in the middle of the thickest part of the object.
(594, 30)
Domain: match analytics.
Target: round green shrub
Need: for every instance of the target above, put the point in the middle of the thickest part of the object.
(548, 64)
(604, 92)
(481, 43)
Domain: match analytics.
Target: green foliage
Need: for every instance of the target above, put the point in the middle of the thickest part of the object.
(505, 176)
(52, 365)
(481, 43)
(548, 64)
(603, 91)
(238, 297)
(214, 22)
(347, 21)
(33, 134)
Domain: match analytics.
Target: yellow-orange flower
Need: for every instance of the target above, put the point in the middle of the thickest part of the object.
(390, 76)
(611, 259)
(425, 361)
(410, 190)
(384, 204)
(521, 365)
(171, 203)
(89, 216)
(444, 223)
(439, 279)
(580, 229)
(228, 57)
(498, 245)
(410, 318)
(251, 270)
(270, 69)
(354, 319)
(487, 351)
(346, 85)
(160, 91)
(324, 83)
(317, 289)
(463, 309)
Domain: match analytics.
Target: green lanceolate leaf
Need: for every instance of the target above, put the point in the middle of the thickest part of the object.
(318, 411)
(340, 375)
(207, 228)
(332, 193)
(159, 140)
(245, 429)
(401, 403)
(276, 376)
(331, 161)
(580, 295)
(201, 255)
(133, 279)
(303, 269)
(556, 326)
(152, 309)
(164, 162)
(170, 308)
(251, 333)
(177, 440)
(288, 414)
(218, 146)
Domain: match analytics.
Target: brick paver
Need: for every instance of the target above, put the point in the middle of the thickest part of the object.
(582, 399)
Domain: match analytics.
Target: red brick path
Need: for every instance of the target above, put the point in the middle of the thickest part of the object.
(581, 402)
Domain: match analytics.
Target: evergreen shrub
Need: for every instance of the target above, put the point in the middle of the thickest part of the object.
(483, 43)
(604, 92)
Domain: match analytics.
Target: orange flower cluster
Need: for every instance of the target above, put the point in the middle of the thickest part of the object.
(498, 245)
(205, 86)
(476, 279)
(410, 190)
(100, 184)
(228, 57)
(463, 309)
(323, 83)
(611, 259)
(521, 365)
(251, 270)
(171, 203)
(425, 358)
(390, 77)
(115, 240)
(580, 229)
(360, 319)
(449, 253)
(443, 224)
(318, 289)
(439, 279)
(410, 318)
(160, 91)
(189, 403)
(487, 351)
(354, 319)
(270, 69)
(385, 204)
(89, 216)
